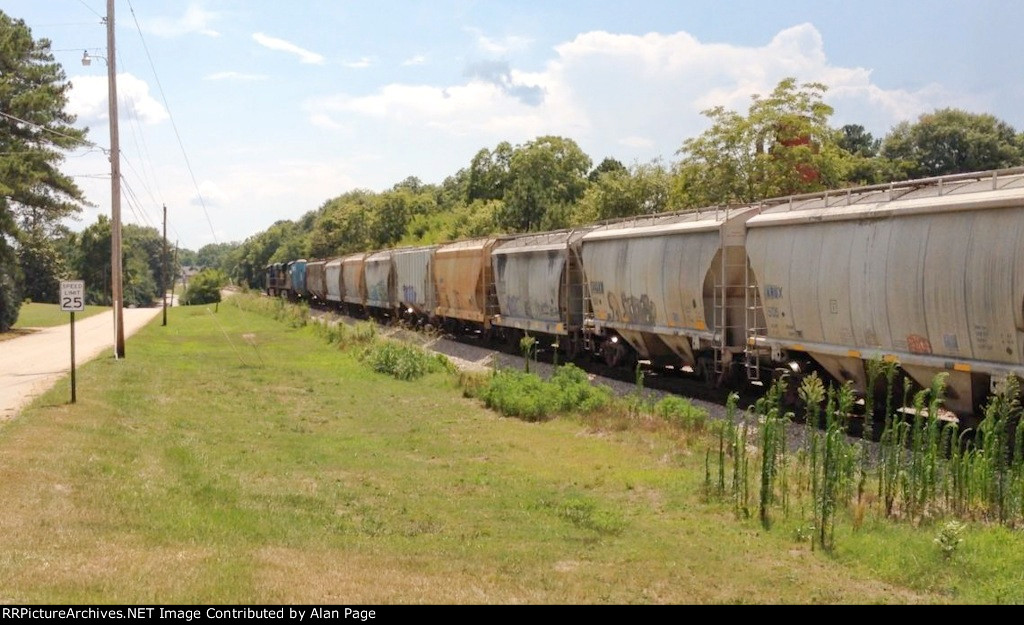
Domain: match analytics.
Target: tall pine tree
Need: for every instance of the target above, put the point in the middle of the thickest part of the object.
(35, 132)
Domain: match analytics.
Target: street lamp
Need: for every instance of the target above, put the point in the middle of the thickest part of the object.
(116, 285)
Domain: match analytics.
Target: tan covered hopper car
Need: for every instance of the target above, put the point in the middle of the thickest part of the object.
(464, 282)
(929, 273)
(316, 279)
(353, 280)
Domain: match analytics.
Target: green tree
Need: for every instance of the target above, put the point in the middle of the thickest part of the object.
(548, 175)
(186, 257)
(92, 261)
(782, 146)
(641, 190)
(608, 165)
(35, 131)
(390, 213)
(865, 165)
(284, 240)
(148, 244)
(204, 287)
(490, 173)
(342, 226)
(42, 264)
(211, 255)
(10, 278)
(951, 141)
(141, 263)
(856, 140)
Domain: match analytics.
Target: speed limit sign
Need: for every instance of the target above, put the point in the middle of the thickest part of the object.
(72, 295)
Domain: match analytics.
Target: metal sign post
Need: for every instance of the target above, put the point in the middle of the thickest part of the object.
(72, 300)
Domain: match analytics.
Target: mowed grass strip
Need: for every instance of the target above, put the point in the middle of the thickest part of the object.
(232, 459)
(37, 315)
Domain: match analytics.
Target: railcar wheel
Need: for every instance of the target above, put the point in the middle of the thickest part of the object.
(570, 348)
(705, 371)
(615, 353)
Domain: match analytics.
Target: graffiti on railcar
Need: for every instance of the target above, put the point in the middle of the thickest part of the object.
(378, 292)
(629, 309)
(409, 293)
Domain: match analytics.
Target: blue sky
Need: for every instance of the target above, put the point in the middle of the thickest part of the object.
(283, 105)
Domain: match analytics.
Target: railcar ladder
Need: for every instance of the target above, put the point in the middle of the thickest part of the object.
(725, 323)
(753, 310)
(587, 322)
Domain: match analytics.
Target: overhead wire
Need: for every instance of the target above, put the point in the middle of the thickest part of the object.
(55, 132)
(174, 125)
(94, 11)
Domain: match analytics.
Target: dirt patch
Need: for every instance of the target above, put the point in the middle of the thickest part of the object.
(14, 333)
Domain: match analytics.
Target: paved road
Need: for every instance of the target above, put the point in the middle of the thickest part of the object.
(31, 364)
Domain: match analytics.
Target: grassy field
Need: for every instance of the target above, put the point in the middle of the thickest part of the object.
(236, 459)
(36, 315)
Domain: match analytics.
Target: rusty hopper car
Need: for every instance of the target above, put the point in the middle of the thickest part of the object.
(316, 281)
(379, 274)
(353, 280)
(414, 280)
(332, 278)
(464, 282)
(929, 273)
(673, 288)
(539, 284)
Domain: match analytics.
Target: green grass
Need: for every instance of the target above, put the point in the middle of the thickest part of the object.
(234, 458)
(48, 315)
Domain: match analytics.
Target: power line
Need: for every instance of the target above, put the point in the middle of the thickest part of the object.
(55, 132)
(134, 204)
(174, 125)
(96, 13)
(134, 199)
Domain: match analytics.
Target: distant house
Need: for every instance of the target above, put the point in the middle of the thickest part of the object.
(187, 272)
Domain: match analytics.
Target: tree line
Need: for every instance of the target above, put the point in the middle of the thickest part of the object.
(783, 144)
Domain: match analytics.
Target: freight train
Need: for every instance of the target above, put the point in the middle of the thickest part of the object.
(926, 273)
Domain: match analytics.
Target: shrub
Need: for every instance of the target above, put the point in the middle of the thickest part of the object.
(399, 360)
(681, 412)
(204, 287)
(949, 538)
(518, 394)
(524, 395)
(473, 383)
(576, 393)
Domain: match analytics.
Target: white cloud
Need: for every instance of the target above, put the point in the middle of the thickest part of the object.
(479, 107)
(637, 142)
(281, 45)
(361, 63)
(88, 100)
(211, 195)
(655, 85)
(196, 20)
(631, 97)
(419, 59)
(238, 76)
(501, 45)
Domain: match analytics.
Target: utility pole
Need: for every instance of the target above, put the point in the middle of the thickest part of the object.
(115, 190)
(163, 282)
(174, 269)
